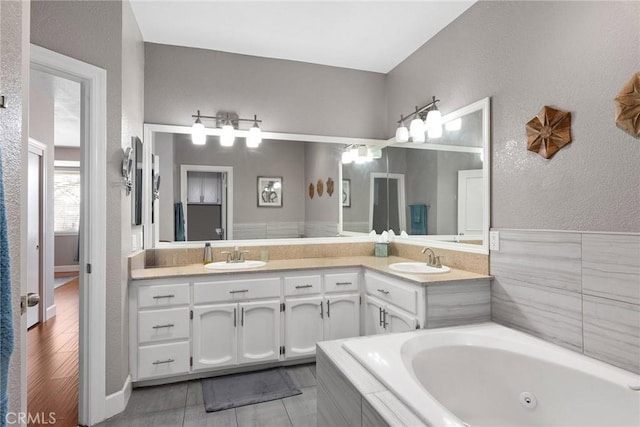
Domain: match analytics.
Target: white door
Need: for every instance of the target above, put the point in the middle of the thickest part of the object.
(343, 317)
(303, 326)
(33, 236)
(215, 335)
(397, 321)
(259, 333)
(373, 315)
(470, 198)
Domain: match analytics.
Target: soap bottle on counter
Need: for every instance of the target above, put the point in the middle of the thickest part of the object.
(208, 254)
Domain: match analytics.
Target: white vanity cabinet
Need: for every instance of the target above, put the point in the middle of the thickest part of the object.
(231, 333)
(326, 312)
(392, 305)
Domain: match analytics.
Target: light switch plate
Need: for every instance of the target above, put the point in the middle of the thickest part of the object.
(494, 241)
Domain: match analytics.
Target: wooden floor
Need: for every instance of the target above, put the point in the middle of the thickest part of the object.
(52, 361)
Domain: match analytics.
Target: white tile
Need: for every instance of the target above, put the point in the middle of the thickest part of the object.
(551, 259)
(549, 313)
(342, 395)
(611, 266)
(328, 413)
(454, 304)
(612, 332)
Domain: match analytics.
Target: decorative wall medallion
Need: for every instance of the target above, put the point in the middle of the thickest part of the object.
(320, 187)
(329, 186)
(311, 191)
(549, 131)
(628, 107)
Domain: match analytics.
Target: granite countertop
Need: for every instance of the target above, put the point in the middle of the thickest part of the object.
(377, 264)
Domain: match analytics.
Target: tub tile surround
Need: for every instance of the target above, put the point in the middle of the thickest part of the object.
(578, 290)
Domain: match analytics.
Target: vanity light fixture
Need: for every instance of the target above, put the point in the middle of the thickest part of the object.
(425, 119)
(228, 123)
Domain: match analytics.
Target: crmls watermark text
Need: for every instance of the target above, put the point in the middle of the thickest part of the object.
(42, 418)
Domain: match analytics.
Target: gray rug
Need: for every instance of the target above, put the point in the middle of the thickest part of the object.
(232, 391)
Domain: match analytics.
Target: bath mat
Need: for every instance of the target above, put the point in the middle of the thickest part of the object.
(232, 391)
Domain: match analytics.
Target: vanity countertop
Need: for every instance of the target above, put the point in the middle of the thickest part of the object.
(377, 264)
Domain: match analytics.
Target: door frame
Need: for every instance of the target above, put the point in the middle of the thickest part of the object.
(46, 244)
(92, 313)
(227, 198)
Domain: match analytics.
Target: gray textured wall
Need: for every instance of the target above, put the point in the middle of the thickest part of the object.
(14, 41)
(574, 56)
(288, 96)
(321, 162)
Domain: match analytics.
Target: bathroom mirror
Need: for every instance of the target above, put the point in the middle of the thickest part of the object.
(215, 187)
(434, 191)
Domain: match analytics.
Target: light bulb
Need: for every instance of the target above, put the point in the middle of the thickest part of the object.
(255, 137)
(402, 133)
(227, 137)
(416, 130)
(198, 136)
(434, 119)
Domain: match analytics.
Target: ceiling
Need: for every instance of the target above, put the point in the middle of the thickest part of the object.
(65, 95)
(362, 35)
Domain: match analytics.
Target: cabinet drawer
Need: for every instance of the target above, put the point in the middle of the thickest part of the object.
(163, 295)
(399, 294)
(159, 325)
(341, 282)
(302, 285)
(234, 290)
(163, 359)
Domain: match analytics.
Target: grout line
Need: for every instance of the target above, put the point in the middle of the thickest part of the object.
(287, 412)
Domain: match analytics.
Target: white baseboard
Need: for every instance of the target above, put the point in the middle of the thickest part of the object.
(66, 268)
(51, 312)
(117, 402)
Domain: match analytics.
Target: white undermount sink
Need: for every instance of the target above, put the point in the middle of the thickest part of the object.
(244, 265)
(417, 268)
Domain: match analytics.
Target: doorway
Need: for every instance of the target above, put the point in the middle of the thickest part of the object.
(89, 342)
(387, 209)
(207, 199)
(34, 233)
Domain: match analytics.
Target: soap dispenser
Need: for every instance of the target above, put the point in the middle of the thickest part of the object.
(208, 254)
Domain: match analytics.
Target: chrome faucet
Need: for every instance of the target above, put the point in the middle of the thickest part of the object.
(433, 260)
(235, 256)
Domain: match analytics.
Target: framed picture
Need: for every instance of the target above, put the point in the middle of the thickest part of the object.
(269, 191)
(346, 193)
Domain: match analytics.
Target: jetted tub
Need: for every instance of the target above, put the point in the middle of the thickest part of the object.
(490, 375)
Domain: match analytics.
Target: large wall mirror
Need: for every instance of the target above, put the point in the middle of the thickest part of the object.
(434, 191)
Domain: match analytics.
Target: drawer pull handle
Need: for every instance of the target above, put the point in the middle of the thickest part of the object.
(242, 316)
(163, 296)
(321, 311)
(235, 317)
(160, 362)
(303, 286)
(168, 325)
(380, 311)
(383, 291)
(343, 283)
(239, 291)
(328, 308)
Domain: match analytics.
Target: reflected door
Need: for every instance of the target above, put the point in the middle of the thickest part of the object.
(470, 202)
(33, 236)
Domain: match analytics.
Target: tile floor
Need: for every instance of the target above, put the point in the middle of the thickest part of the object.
(181, 404)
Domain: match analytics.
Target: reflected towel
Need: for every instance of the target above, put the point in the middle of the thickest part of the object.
(418, 215)
(6, 312)
(178, 216)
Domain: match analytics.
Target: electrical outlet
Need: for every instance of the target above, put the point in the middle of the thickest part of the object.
(494, 241)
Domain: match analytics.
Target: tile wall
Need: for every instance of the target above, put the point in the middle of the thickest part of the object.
(578, 290)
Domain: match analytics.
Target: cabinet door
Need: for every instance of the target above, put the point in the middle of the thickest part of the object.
(259, 331)
(342, 319)
(397, 321)
(194, 187)
(214, 335)
(303, 326)
(373, 315)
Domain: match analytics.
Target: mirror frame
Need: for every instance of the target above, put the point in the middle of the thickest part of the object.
(151, 237)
